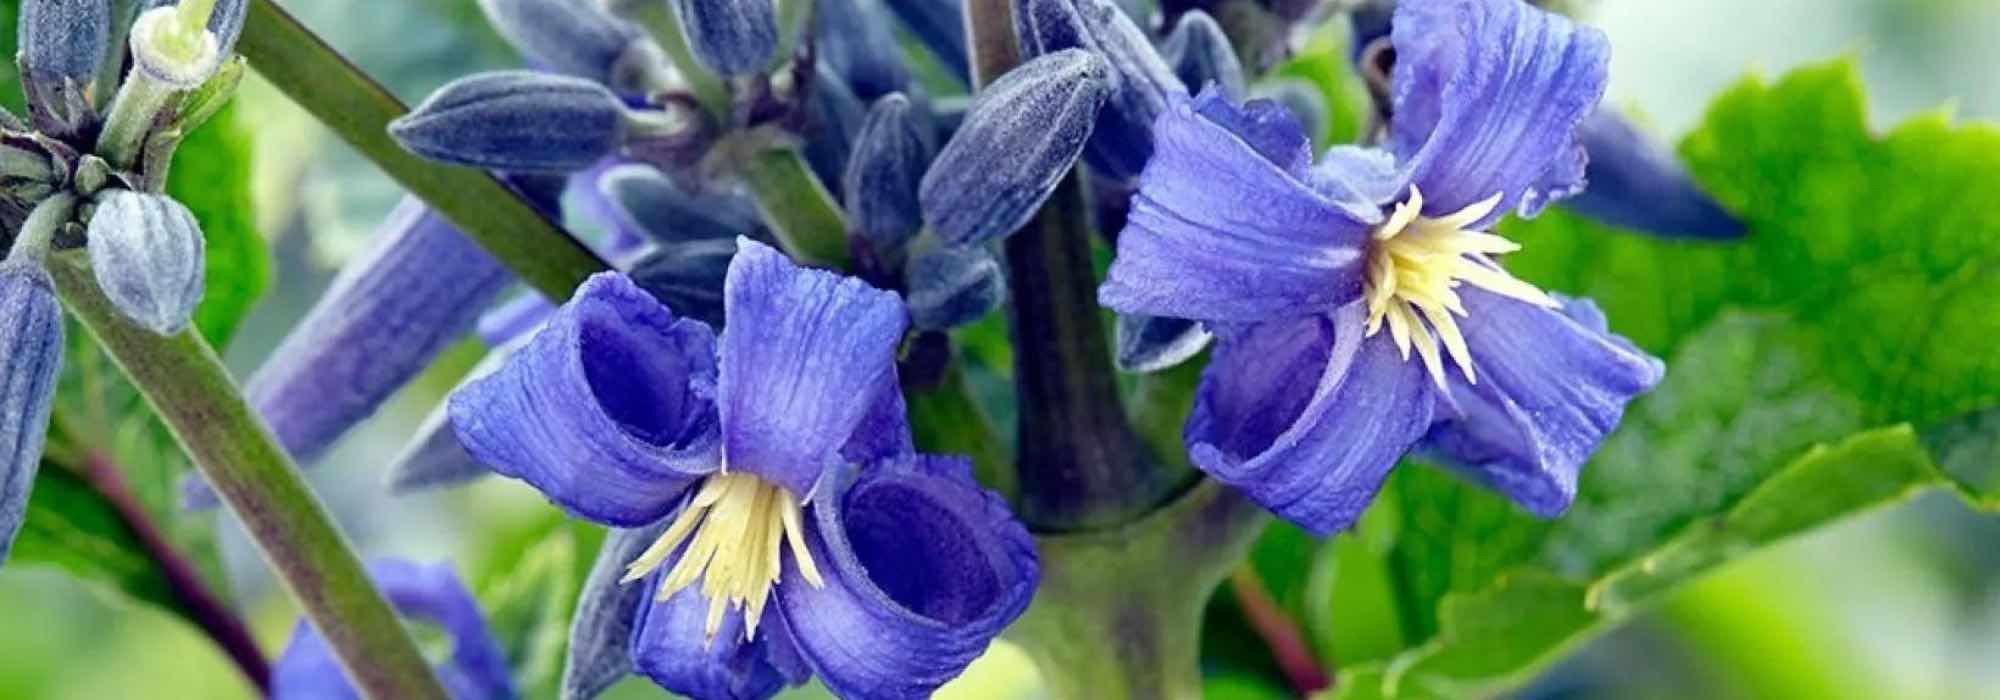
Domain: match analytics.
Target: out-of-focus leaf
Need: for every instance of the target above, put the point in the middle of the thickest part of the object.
(528, 608)
(73, 528)
(211, 177)
(1802, 362)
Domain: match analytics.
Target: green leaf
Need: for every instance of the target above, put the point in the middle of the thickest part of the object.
(529, 606)
(1802, 363)
(70, 526)
(211, 176)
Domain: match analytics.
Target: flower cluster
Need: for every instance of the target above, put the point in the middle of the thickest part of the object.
(82, 172)
(737, 418)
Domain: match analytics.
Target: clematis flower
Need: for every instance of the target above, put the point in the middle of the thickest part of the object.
(804, 534)
(476, 669)
(1358, 308)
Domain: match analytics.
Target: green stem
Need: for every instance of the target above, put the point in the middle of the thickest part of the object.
(1118, 615)
(185, 383)
(797, 207)
(358, 110)
(137, 105)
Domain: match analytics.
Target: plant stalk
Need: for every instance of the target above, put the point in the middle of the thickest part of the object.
(215, 618)
(358, 109)
(186, 385)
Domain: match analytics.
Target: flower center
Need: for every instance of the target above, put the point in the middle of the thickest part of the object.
(736, 528)
(1415, 268)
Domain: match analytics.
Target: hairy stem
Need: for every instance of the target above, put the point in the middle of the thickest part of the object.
(215, 618)
(358, 110)
(185, 384)
(1118, 614)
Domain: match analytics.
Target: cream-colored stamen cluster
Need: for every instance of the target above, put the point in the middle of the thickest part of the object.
(736, 529)
(1414, 268)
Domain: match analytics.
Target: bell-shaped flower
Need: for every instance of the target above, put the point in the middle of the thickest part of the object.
(1358, 308)
(475, 670)
(804, 536)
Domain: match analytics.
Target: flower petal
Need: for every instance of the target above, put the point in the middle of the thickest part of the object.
(1551, 386)
(1219, 232)
(924, 569)
(1307, 417)
(1487, 98)
(669, 647)
(604, 411)
(804, 360)
(477, 667)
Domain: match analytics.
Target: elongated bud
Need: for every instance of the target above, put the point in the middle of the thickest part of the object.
(730, 37)
(600, 635)
(953, 286)
(850, 37)
(667, 214)
(31, 347)
(1140, 80)
(515, 120)
(940, 26)
(1638, 184)
(1149, 343)
(146, 251)
(434, 458)
(884, 172)
(1199, 53)
(62, 42)
(571, 37)
(1021, 136)
(688, 278)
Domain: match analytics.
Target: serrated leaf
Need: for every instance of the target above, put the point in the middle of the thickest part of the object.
(1799, 361)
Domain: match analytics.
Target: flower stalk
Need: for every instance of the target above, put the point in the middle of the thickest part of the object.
(185, 383)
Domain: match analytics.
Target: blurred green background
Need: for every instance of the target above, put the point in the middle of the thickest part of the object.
(1903, 603)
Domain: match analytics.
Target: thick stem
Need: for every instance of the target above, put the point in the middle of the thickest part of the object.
(137, 105)
(1081, 466)
(798, 207)
(215, 618)
(358, 110)
(185, 384)
(1118, 615)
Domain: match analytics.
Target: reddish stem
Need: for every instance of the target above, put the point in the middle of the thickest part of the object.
(201, 605)
(1288, 646)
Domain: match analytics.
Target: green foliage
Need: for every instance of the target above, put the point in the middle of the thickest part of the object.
(1833, 362)
(100, 416)
(528, 607)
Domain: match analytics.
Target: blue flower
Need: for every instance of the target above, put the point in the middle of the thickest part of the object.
(1358, 309)
(476, 669)
(805, 535)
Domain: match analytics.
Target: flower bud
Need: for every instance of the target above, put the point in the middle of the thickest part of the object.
(952, 286)
(850, 37)
(1149, 343)
(687, 278)
(1200, 53)
(515, 120)
(31, 348)
(225, 21)
(654, 206)
(1021, 136)
(567, 36)
(61, 42)
(1300, 98)
(1140, 80)
(730, 37)
(146, 251)
(883, 174)
(1637, 184)
(940, 26)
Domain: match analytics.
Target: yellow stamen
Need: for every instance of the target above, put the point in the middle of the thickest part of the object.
(1414, 269)
(737, 528)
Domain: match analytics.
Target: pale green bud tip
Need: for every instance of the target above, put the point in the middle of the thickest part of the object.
(172, 48)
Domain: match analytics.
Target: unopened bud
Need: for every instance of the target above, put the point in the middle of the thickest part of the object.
(1199, 52)
(1140, 80)
(884, 172)
(515, 120)
(146, 251)
(31, 349)
(1150, 343)
(61, 42)
(571, 37)
(952, 286)
(730, 37)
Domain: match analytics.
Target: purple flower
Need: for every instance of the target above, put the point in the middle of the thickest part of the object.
(1358, 309)
(476, 669)
(805, 535)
